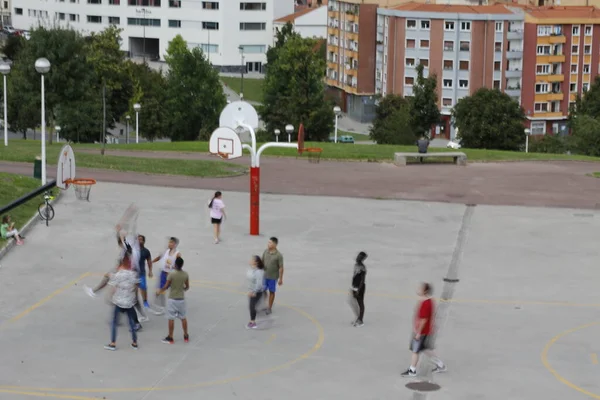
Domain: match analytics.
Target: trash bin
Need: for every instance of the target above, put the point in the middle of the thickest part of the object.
(37, 168)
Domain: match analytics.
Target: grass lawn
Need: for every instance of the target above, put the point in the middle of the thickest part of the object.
(11, 188)
(357, 136)
(27, 150)
(252, 87)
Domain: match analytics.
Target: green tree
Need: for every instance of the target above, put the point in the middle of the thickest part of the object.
(13, 46)
(392, 123)
(490, 119)
(294, 90)
(281, 37)
(194, 95)
(424, 109)
(589, 104)
(23, 111)
(586, 135)
(150, 91)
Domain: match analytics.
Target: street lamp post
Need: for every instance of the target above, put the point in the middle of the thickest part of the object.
(42, 66)
(4, 70)
(137, 107)
(127, 118)
(241, 49)
(144, 11)
(337, 111)
(289, 129)
(277, 132)
(57, 129)
(527, 133)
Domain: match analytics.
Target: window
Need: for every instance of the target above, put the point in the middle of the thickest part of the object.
(61, 16)
(143, 21)
(147, 3)
(497, 65)
(499, 26)
(544, 30)
(448, 45)
(575, 30)
(541, 88)
(174, 23)
(251, 26)
(464, 46)
(410, 43)
(447, 83)
(424, 44)
(446, 102)
(463, 83)
(587, 49)
(73, 17)
(256, 49)
(575, 49)
(573, 87)
(18, 11)
(94, 19)
(497, 85)
(586, 68)
(210, 5)
(411, 24)
(211, 26)
(448, 64)
(114, 2)
(449, 25)
(410, 62)
(253, 6)
(573, 68)
(588, 30)
(538, 128)
(424, 62)
(409, 81)
(174, 4)
(463, 65)
(543, 69)
(425, 24)
(114, 20)
(540, 107)
(585, 87)
(465, 26)
(541, 50)
(498, 46)
(94, 1)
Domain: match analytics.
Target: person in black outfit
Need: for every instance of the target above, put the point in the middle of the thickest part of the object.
(357, 294)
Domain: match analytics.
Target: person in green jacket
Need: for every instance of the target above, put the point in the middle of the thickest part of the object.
(7, 230)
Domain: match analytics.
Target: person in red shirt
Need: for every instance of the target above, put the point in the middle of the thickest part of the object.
(422, 339)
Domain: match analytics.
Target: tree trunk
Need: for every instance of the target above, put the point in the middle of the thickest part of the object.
(51, 130)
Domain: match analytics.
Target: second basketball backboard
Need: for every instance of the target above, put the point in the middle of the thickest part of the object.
(225, 143)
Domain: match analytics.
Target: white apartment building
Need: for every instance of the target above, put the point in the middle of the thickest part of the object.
(310, 22)
(231, 33)
(5, 10)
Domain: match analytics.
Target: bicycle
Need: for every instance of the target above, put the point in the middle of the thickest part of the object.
(45, 209)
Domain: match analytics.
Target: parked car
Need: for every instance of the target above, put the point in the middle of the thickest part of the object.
(342, 139)
(9, 30)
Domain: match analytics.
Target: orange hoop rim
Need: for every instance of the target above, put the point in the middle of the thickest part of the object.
(312, 149)
(82, 182)
(223, 155)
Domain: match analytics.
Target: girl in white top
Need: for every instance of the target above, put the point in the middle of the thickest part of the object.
(217, 214)
(168, 264)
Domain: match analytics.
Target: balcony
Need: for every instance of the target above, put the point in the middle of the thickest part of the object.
(513, 91)
(514, 54)
(557, 39)
(515, 34)
(555, 78)
(559, 58)
(558, 96)
(513, 73)
(545, 114)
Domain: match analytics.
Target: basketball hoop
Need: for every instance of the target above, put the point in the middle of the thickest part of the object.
(314, 154)
(224, 156)
(82, 188)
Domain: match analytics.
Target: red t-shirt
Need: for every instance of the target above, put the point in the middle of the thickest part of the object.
(425, 311)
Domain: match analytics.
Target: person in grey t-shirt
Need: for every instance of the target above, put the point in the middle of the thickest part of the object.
(422, 145)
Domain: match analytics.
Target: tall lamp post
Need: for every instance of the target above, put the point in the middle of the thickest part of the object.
(57, 129)
(4, 70)
(137, 107)
(277, 132)
(289, 129)
(42, 66)
(337, 111)
(127, 118)
(144, 11)
(241, 49)
(527, 133)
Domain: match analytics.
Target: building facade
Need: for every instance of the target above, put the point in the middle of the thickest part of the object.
(310, 22)
(466, 47)
(232, 34)
(563, 48)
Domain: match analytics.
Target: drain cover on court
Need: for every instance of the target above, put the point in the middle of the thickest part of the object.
(423, 386)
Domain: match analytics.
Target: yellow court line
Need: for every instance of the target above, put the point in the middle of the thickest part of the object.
(45, 300)
(270, 339)
(594, 357)
(52, 395)
(316, 347)
(400, 297)
(559, 377)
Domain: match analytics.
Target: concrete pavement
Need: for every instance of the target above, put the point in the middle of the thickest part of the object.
(518, 289)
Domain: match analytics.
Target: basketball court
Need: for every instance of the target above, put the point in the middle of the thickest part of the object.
(519, 323)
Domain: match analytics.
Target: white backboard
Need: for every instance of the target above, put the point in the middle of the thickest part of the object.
(66, 167)
(238, 112)
(224, 141)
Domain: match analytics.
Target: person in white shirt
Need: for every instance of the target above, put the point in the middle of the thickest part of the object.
(167, 260)
(217, 214)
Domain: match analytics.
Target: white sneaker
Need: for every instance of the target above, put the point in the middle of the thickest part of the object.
(157, 312)
(89, 291)
(144, 319)
(216, 241)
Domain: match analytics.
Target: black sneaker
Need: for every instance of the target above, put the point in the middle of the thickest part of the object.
(186, 338)
(134, 346)
(409, 373)
(110, 347)
(268, 311)
(168, 340)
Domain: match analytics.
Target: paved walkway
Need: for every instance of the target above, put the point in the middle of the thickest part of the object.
(555, 184)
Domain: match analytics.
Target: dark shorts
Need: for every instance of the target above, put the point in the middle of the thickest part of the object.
(425, 342)
(216, 220)
(271, 285)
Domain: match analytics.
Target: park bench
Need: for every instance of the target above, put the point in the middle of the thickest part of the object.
(459, 158)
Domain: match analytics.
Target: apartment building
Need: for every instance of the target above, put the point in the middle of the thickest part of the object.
(309, 22)
(466, 47)
(563, 48)
(232, 34)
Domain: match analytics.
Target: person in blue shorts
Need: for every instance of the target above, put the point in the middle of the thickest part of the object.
(273, 262)
(145, 257)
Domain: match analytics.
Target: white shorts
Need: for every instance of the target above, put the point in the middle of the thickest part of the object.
(12, 233)
(176, 309)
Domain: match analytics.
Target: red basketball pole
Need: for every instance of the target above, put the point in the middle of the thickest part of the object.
(254, 200)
